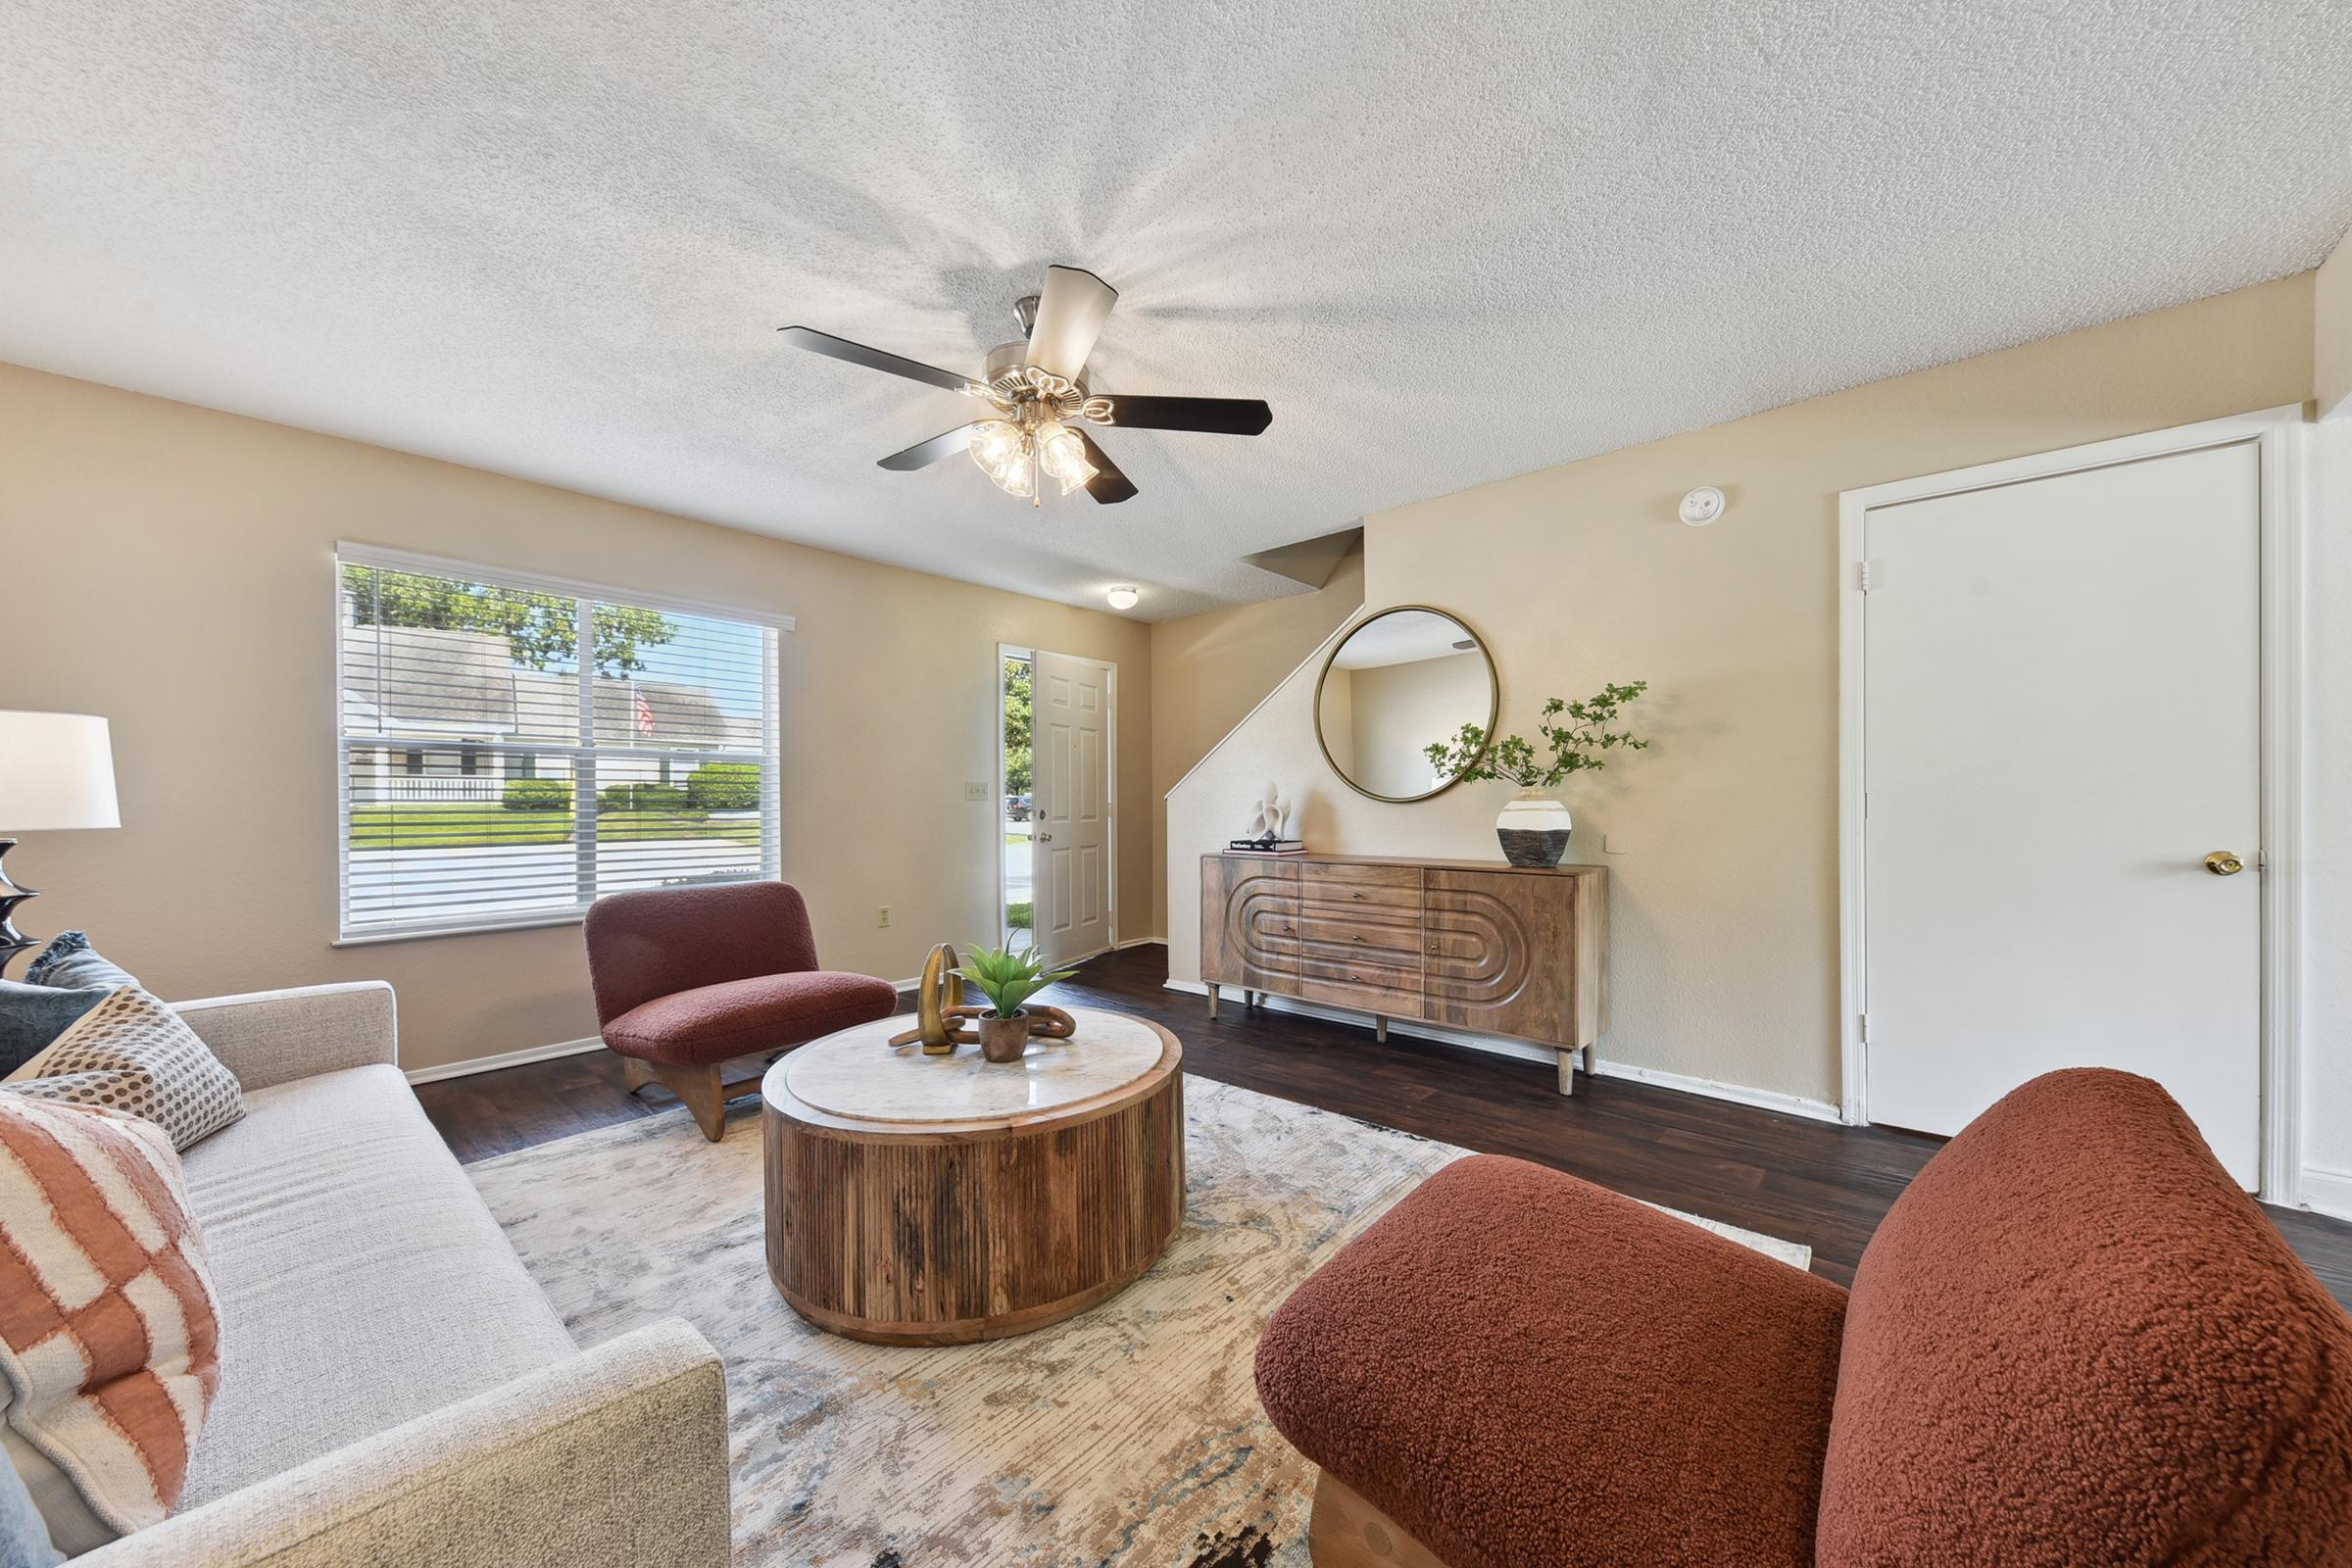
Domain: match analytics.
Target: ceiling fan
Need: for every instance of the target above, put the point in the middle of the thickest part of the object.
(1042, 400)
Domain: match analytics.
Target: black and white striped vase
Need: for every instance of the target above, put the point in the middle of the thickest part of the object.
(1533, 829)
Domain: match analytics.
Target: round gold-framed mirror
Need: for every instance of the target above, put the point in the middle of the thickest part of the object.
(1400, 680)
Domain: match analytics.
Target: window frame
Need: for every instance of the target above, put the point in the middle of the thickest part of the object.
(586, 596)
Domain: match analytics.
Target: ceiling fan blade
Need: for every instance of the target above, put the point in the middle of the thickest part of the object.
(841, 348)
(923, 454)
(1109, 485)
(1217, 416)
(1070, 311)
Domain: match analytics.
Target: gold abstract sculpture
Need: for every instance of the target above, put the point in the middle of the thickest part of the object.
(938, 997)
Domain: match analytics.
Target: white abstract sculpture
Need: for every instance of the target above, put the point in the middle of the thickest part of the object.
(1271, 818)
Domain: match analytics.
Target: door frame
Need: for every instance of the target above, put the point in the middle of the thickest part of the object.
(2278, 437)
(1111, 784)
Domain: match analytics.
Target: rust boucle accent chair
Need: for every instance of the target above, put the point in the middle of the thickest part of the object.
(686, 978)
(2073, 1341)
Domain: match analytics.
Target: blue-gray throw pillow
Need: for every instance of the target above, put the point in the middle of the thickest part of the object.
(71, 963)
(32, 1016)
(24, 1537)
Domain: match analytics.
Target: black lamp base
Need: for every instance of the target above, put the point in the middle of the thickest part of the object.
(11, 939)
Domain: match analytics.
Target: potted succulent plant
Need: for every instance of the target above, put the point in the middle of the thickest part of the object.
(1534, 827)
(1007, 979)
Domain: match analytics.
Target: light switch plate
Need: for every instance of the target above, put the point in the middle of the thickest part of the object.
(1610, 844)
(975, 790)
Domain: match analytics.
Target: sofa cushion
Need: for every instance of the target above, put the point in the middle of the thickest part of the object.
(1519, 1367)
(737, 1018)
(2074, 1340)
(362, 1282)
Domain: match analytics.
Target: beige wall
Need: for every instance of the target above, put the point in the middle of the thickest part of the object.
(2332, 332)
(1722, 839)
(1221, 665)
(170, 567)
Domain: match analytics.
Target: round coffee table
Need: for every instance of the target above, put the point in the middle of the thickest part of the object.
(917, 1200)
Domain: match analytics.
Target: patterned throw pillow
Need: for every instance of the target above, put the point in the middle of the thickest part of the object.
(109, 1327)
(133, 1055)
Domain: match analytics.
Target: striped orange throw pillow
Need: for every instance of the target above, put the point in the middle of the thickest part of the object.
(109, 1328)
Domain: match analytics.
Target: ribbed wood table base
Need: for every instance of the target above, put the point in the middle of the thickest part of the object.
(929, 1232)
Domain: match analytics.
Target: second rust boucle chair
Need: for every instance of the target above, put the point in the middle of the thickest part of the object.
(2072, 1343)
(686, 978)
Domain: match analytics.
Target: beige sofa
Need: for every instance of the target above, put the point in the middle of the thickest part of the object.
(395, 1389)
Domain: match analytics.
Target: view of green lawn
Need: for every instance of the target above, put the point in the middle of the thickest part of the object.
(464, 827)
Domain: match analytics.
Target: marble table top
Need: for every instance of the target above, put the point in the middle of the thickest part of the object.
(856, 1073)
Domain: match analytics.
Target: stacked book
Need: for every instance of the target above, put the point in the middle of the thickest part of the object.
(1266, 847)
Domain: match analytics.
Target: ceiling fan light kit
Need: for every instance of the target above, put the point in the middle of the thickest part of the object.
(1042, 402)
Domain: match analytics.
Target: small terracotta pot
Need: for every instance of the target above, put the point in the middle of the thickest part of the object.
(1003, 1039)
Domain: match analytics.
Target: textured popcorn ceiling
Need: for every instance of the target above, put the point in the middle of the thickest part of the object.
(1447, 243)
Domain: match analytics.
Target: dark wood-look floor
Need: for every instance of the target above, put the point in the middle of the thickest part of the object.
(1806, 1181)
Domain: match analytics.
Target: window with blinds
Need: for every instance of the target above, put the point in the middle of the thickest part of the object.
(512, 748)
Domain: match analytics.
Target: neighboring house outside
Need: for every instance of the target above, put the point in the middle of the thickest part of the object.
(462, 720)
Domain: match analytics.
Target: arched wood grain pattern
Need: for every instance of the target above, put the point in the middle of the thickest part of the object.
(1479, 948)
(942, 1234)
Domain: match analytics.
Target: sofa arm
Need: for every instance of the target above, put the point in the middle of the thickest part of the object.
(271, 1036)
(615, 1458)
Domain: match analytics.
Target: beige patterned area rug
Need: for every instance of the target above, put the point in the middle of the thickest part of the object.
(1129, 1437)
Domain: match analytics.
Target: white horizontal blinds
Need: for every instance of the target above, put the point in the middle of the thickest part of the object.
(509, 752)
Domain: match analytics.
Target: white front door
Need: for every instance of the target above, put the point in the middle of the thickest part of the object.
(2061, 720)
(1070, 840)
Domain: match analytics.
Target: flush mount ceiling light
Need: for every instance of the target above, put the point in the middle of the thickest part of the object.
(1039, 391)
(1123, 598)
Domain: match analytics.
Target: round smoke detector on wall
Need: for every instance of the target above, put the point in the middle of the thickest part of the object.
(1702, 506)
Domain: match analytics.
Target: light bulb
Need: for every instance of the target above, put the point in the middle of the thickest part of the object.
(1123, 598)
(1063, 456)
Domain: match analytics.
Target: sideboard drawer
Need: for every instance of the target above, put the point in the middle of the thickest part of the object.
(1332, 889)
(1379, 934)
(1358, 996)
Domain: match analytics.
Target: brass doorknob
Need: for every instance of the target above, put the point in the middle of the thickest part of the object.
(2221, 862)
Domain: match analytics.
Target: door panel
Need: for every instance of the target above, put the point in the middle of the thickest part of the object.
(1071, 848)
(1483, 932)
(2061, 719)
(1248, 921)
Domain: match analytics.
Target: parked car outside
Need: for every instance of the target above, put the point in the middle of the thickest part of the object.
(1016, 807)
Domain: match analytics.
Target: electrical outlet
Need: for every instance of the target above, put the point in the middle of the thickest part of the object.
(882, 916)
(975, 789)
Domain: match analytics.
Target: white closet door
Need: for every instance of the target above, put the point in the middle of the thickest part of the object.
(2062, 692)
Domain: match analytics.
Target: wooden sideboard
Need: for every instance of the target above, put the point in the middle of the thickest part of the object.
(1500, 950)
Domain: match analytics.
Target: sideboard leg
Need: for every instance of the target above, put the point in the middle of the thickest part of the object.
(1567, 1072)
(1380, 1027)
(1212, 1003)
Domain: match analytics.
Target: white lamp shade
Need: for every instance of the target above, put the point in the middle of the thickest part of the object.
(57, 771)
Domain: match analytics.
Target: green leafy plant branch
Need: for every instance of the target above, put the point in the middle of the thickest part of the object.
(1580, 741)
(1009, 978)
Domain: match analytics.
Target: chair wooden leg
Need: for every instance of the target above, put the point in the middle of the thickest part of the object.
(1346, 1532)
(698, 1089)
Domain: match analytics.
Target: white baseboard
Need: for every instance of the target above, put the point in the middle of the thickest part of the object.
(505, 1059)
(2327, 1192)
(1138, 942)
(1528, 1050)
